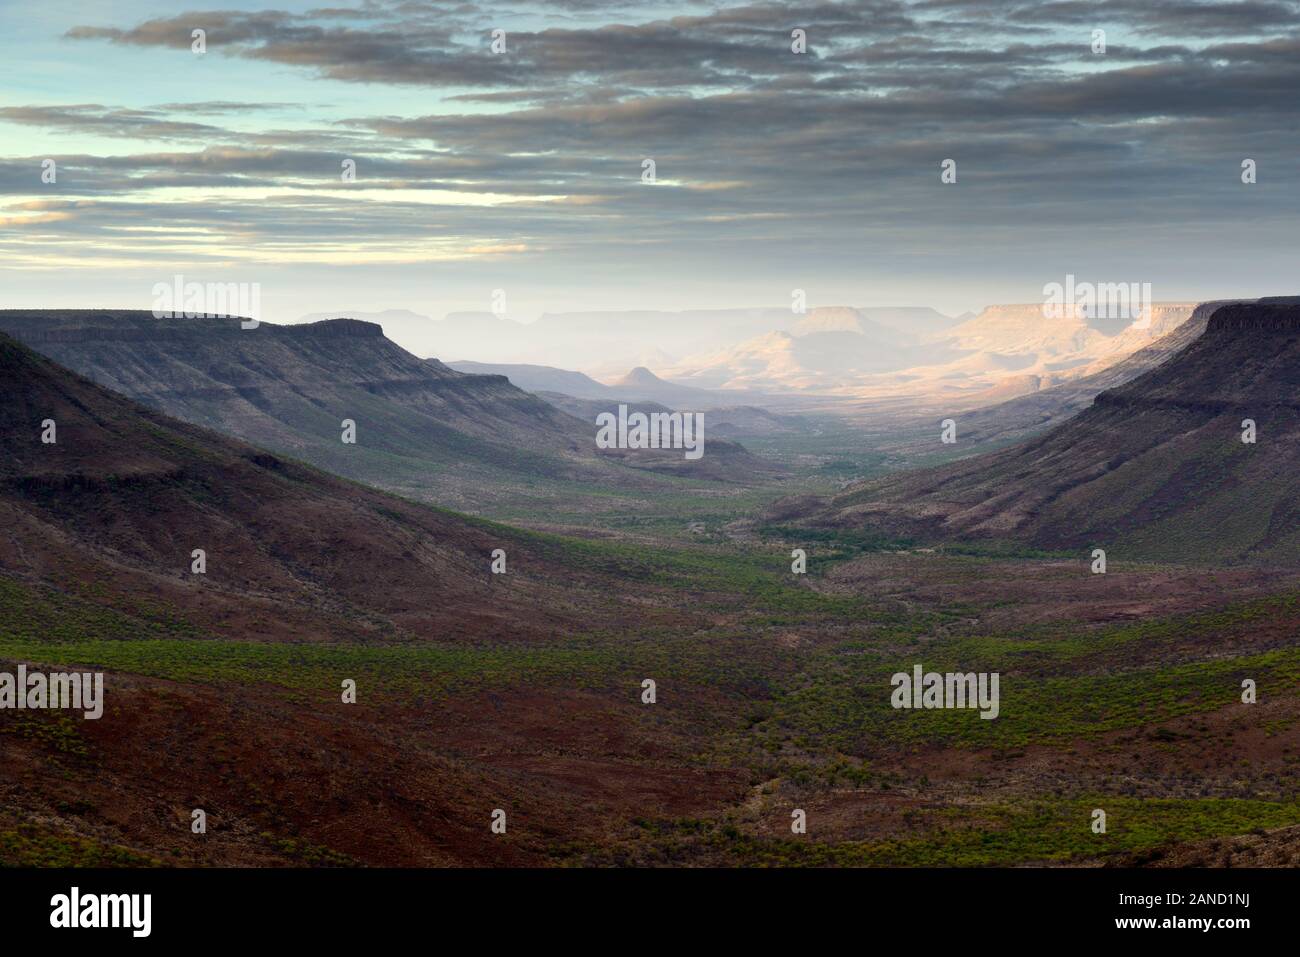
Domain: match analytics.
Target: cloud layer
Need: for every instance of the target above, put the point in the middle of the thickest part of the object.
(538, 151)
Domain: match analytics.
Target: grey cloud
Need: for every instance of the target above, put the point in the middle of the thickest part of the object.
(753, 144)
(91, 117)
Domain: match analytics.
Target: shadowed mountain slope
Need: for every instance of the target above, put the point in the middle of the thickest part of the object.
(1156, 467)
(422, 429)
(227, 684)
(113, 509)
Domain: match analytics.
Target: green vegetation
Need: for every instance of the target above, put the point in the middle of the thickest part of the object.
(54, 731)
(29, 845)
(778, 677)
(29, 613)
(1057, 684)
(306, 853)
(979, 836)
(846, 707)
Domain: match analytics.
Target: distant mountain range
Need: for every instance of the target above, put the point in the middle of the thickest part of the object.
(1002, 352)
(868, 354)
(637, 385)
(1154, 468)
(827, 350)
(598, 342)
(608, 343)
(583, 397)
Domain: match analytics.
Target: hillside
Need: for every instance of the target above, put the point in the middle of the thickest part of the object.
(422, 429)
(524, 692)
(1155, 467)
(222, 690)
(116, 505)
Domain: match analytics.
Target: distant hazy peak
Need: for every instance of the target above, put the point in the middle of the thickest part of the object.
(641, 376)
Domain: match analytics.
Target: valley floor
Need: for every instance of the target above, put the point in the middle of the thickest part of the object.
(1119, 692)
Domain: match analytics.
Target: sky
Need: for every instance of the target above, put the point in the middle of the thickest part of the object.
(522, 169)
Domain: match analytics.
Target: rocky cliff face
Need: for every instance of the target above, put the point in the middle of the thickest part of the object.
(262, 383)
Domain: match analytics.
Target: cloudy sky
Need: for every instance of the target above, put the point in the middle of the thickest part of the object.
(522, 170)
